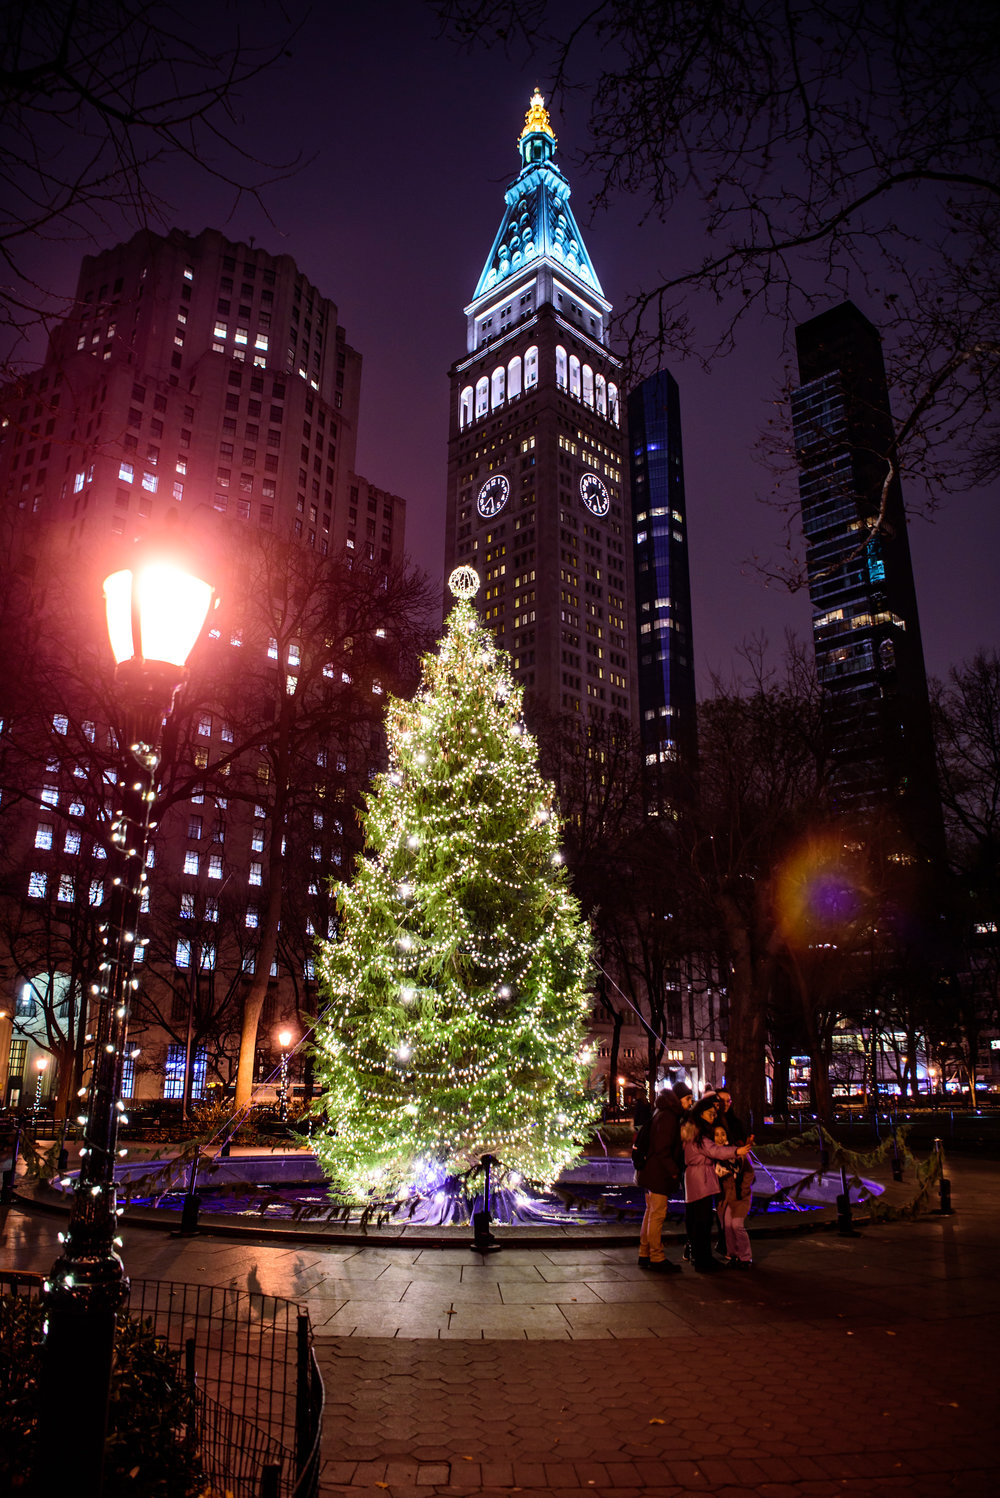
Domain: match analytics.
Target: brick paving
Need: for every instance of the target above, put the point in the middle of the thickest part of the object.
(861, 1365)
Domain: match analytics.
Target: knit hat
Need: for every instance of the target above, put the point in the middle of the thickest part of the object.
(681, 1090)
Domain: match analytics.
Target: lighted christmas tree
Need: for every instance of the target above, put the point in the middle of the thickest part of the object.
(457, 991)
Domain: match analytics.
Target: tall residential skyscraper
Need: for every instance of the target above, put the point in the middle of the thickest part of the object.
(207, 384)
(866, 630)
(662, 583)
(536, 498)
(192, 371)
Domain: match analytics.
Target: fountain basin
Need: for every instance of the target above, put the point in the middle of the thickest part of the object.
(289, 1189)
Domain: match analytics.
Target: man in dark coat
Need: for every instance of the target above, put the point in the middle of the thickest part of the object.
(661, 1175)
(736, 1130)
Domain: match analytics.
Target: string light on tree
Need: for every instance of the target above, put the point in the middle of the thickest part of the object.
(459, 984)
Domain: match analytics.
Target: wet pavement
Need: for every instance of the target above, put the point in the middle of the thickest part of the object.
(862, 1365)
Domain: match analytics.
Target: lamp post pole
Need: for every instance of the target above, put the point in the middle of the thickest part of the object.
(284, 1040)
(87, 1285)
(40, 1066)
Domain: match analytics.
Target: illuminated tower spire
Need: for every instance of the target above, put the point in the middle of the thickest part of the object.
(538, 234)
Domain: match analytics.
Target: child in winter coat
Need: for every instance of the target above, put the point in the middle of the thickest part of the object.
(736, 1182)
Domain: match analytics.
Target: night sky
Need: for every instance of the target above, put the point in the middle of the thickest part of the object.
(411, 146)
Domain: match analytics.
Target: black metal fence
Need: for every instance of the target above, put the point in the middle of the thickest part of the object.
(258, 1390)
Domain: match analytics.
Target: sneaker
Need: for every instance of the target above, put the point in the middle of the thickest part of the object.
(686, 1253)
(742, 1264)
(664, 1266)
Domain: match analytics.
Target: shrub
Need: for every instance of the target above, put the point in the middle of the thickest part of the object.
(151, 1445)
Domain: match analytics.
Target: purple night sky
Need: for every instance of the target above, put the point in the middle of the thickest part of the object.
(411, 147)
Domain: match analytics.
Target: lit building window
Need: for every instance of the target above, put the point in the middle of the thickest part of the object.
(173, 1084)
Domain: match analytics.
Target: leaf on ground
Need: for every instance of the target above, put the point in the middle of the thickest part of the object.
(655, 1421)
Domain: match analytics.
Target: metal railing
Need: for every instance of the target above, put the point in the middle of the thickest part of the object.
(258, 1389)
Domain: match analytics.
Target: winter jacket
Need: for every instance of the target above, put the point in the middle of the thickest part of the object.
(700, 1155)
(736, 1187)
(662, 1171)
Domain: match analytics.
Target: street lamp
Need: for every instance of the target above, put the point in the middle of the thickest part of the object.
(156, 610)
(41, 1062)
(284, 1040)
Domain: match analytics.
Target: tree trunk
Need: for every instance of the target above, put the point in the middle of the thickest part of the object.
(253, 1004)
(779, 1086)
(747, 995)
(616, 1035)
(65, 1057)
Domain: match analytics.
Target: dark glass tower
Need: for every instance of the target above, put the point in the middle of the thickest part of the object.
(866, 631)
(662, 583)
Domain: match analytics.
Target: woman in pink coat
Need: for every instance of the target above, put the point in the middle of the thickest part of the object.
(701, 1184)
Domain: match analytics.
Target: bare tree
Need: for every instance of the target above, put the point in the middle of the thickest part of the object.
(967, 730)
(323, 644)
(96, 96)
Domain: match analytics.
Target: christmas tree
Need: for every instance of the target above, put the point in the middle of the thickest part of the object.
(457, 991)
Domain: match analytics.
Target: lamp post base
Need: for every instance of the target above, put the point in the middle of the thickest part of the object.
(75, 1385)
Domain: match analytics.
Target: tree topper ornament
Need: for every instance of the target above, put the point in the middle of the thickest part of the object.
(464, 582)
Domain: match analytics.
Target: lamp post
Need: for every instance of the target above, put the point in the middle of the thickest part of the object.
(41, 1062)
(156, 610)
(284, 1040)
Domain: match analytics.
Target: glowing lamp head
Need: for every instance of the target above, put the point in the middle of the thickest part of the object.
(156, 610)
(41, 1062)
(284, 1039)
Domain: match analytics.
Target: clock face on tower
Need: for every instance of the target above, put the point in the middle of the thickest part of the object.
(594, 493)
(493, 496)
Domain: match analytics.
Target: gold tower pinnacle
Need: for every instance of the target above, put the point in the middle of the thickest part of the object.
(537, 118)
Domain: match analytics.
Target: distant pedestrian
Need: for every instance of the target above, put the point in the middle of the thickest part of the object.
(659, 1176)
(700, 1180)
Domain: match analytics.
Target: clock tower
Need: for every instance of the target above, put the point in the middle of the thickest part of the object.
(536, 472)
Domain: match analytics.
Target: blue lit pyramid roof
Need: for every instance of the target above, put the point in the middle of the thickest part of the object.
(539, 222)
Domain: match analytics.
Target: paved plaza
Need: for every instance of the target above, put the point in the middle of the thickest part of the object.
(862, 1365)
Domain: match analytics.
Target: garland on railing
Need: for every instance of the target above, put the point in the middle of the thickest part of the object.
(926, 1172)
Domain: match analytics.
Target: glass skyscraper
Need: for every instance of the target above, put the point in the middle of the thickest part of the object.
(866, 631)
(662, 584)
